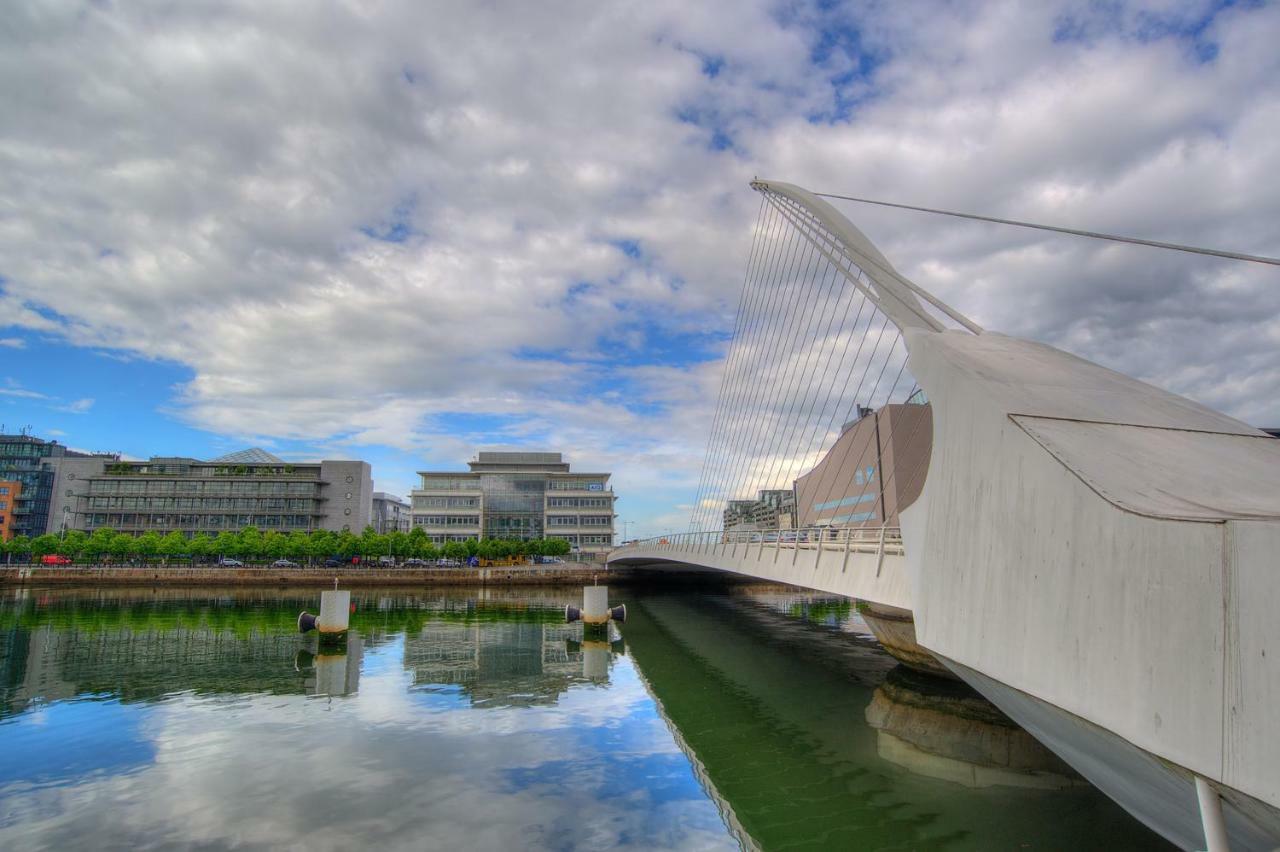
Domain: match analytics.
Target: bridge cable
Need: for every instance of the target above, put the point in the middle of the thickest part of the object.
(742, 300)
(848, 295)
(729, 387)
(1096, 235)
(765, 389)
(798, 385)
(780, 248)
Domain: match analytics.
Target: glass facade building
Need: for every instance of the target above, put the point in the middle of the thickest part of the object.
(517, 495)
(30, 462)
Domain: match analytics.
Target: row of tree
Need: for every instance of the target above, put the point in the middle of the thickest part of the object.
(251, 544)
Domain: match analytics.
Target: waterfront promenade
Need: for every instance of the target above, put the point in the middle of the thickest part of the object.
(347, 576)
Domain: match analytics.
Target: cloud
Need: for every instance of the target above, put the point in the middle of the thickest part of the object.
(79, 406)
(368, 227)
(13, 342)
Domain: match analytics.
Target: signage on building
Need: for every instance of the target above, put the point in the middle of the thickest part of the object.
(595, 486)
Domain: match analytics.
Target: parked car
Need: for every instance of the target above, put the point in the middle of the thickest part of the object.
(284, 563)
(333, 562)
(387, 561)
(416, 562)
(55, 559)
(448, 563)
(231, 563)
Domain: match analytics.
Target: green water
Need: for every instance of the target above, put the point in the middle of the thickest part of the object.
(714, 718)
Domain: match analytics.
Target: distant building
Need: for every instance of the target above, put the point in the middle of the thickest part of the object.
(248, 488)
(516, 495)
(875, 468)
(10, 491)
(28, 461)
(774, 508)
(390, 513)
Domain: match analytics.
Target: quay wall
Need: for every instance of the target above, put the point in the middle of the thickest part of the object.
(353, 576)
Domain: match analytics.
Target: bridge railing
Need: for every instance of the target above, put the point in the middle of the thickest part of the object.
(878, 540)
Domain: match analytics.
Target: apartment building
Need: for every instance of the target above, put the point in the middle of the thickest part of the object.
(390, 513)
(524, 495)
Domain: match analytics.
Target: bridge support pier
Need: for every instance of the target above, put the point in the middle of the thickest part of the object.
(895, 630)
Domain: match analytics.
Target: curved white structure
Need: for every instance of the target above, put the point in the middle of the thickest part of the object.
(1095, 555)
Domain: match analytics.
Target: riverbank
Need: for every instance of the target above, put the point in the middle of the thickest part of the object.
(347, 576)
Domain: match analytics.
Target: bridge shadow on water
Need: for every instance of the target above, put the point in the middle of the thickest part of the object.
(810, 736)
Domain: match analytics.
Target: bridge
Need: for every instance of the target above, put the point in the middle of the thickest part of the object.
(1093, 554)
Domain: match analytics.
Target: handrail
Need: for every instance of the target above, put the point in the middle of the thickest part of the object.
(801, 538)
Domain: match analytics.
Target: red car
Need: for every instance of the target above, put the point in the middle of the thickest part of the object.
(55, 559)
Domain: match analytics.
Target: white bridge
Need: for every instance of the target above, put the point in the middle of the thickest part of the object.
(1095, 555)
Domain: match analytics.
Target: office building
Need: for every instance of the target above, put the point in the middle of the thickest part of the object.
(773, 509)
(390, 513)
(29, 461)
(516, 495)
(875, 467)
(248, 488)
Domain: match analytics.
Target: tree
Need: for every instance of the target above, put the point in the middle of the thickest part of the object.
(121, 546)
(202, 546)
(99, 543)
(398, 544)
(321, 544)
(73, 544)
(297, 546)
(20, 547)
(274, 545)
(43, 545)
(556, 546)
(488, 549)
(472, 546)
(455, 550)
(226, 544)
(347, 545)
(173, 545)
(147, 546)
(249, 542)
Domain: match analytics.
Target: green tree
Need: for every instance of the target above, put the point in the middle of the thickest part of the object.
(472, 546)
(274, 545)
(99, 544)
(488, 549)
(455, 550)
(73, 544)
(249, 542)
(121, 546)
(398, 544)
(347, 545)
(202, 546)
(173, 545)
(226, 544)
(321, 544)
(19, 547)
(556, 547)
(147, 546)
(43, 545)
(297, 546)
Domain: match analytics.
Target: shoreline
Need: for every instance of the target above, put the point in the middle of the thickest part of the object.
(348, 576)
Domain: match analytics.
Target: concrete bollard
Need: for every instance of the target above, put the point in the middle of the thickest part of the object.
(595, 614)
(335, 611)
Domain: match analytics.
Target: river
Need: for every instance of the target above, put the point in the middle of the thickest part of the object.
(715, 717)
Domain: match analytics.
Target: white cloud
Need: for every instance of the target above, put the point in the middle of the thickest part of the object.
(13, 342)
(207, 197)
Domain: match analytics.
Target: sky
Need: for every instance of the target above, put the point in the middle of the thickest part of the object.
(407, 231)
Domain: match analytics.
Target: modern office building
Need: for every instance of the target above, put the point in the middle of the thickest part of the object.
(517, 495)
(773, 509)
(846, 488)
(248, 488)
(390, 513)
(10, 491)
(29, 461)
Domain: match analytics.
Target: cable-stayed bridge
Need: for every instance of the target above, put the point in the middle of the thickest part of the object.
(1095, 555)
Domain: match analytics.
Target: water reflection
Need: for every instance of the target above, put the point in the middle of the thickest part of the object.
(710, 719)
